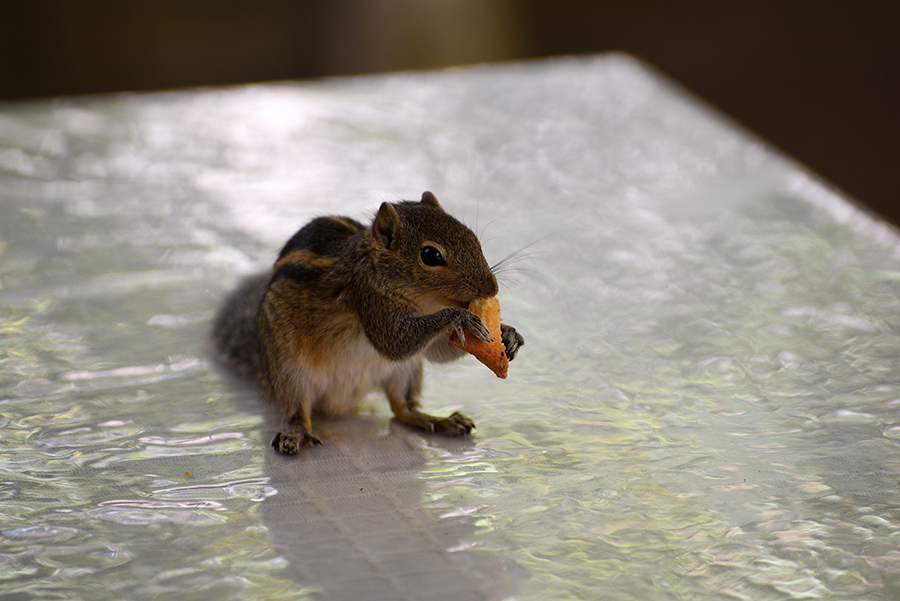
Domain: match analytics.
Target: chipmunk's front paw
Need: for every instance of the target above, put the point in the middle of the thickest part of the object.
(512, 340)
(290, 444)
(456, 424)
(463, 320)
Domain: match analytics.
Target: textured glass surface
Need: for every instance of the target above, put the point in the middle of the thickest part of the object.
(707, 406)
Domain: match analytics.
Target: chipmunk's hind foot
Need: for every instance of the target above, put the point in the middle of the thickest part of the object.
(456, 424)
(291, 443)
(403, 393)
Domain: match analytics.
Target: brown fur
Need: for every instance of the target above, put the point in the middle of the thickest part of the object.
(306, 258)
(348, 309)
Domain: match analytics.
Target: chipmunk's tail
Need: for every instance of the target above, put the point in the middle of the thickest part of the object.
(234, 330)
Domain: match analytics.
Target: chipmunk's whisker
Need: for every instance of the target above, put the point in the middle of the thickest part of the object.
(516, 255)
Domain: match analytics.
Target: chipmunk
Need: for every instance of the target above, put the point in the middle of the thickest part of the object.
(348, 309)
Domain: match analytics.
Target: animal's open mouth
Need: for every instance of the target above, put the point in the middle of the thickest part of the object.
(433, 305)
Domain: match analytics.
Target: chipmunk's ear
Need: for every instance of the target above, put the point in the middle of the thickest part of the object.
(431, 200)
(387, 227)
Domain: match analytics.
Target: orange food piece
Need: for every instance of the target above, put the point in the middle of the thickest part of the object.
(492, 354)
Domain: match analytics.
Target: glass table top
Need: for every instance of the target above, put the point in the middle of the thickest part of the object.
(707, 405)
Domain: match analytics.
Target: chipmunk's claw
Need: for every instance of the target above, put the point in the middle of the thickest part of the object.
(461, 333)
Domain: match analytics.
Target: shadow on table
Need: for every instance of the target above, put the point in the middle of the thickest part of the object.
(350, 520)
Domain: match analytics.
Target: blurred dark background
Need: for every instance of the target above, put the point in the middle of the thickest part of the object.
(819, 79)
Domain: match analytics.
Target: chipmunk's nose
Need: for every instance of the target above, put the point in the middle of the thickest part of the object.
(482, 288)
(488, 287)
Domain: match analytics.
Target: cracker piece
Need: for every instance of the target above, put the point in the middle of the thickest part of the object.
(492, 354)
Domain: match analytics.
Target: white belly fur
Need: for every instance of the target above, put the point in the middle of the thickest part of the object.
(354, 371)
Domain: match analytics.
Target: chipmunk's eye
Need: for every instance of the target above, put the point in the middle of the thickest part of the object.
(432, 256)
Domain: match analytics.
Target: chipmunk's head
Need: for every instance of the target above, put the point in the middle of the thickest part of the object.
(435, 258)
